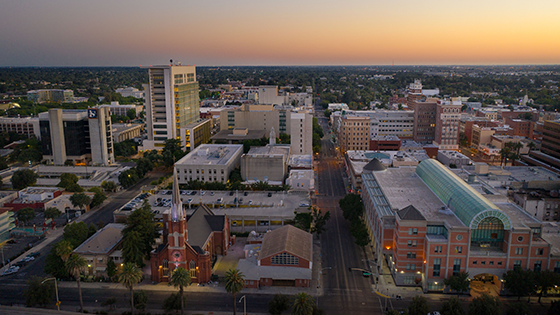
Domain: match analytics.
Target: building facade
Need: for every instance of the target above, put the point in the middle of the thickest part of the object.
(28, 126)
(196, 133)
(209, 163)
(354, 133)
(301, 134)
(443, 226)
(425, 113)
(448, 115)
(50, 96)
(172, 102)
(551, 138)
(80, 136)
(269, 163)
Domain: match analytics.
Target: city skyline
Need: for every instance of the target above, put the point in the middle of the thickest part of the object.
(222, 33)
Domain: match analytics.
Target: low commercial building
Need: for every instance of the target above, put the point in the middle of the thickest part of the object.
(237, 135)
(209, 162)
(385, 143)
(122, 132)
(27, 126)
(101, 247)
(300, 179)
(63, 203)
(268, 163)
(285, 258)
(450, 157)
(33, 197)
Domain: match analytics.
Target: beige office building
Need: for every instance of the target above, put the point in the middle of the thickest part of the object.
(172, 102)
(268, 163)
(354, 133)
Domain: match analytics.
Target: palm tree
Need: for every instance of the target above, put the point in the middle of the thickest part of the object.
(180, 278)
(303, 304)
(504, 154)
(531, 146)
(129, 276)
(517, 147)
(64, 249)
(235, 282)
(75, 264)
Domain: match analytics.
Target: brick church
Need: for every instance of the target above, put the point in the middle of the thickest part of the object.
(191, 242)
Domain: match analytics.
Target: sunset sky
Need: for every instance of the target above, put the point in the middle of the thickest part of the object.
(289, 32)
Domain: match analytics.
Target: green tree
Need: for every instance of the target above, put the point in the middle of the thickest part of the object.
(485, 305)
(418, 306)
(458, 283)
(546, 280)
(284, 138)
(53, 264)
(140, 300)
(109, 186)
(531, 147)
(173, 302)
(131, 113)
(360, 233)
(63, 249)
(452, 307)
(67, 180)
(303, 304)
(180, 278)
(76, 233)
(25, 215)
(518, 308)
(98, 198)
(52, 213)
(80, 200)
(352, 207)
(520, 282)
(327, 113)
(75, 264)
(129, 177)
(111, 268)
(235, 282)
(141, 221)
(312, 222)
(133, 248)
(144, 166)
(172, 145)
(278, 304)
(24, 178)
(129, 276)
(38, 293)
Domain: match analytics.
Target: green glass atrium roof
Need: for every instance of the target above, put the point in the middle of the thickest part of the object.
(467, 204)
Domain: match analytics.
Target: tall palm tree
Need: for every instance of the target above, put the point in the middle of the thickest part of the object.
(235, 281)
(517, 147)
(129, 276)
(63, 249)
(531, 146)
(504, 154)
(180, 278)
(75, 264)
(303, 304)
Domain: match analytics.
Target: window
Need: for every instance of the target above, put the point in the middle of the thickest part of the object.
(411, 255)
(491, 263)
(499, 263)
(192, 269)
(437, 249)
(517, 264)
(537, 266)
(483, 262)
(539, 251)
(165, 267)
(458, 249)
(437, 267)
(284, 259)
(557, 267)
(456, 266)
(474, 262)
(519, 251)
(412, 243)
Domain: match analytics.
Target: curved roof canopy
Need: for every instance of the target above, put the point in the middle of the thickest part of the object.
(467, 204)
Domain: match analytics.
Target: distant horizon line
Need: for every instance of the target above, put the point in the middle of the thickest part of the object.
(295, 66)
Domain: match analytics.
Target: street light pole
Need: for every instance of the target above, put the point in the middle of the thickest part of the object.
(56, 289)
(244, 304)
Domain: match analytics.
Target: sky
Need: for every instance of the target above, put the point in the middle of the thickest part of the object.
(288, 32)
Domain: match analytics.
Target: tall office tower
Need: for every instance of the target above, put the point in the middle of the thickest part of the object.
(425, 121)
(354, 133)
(414, 93)
(448, 115)
(172, 102)
(301, 135)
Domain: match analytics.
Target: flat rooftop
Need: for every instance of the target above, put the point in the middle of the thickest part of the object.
(228, 135)
(301, 161)
(403, 187)
(276, 149)
(211, 154)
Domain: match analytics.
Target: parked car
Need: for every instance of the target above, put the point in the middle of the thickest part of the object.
(270, 194)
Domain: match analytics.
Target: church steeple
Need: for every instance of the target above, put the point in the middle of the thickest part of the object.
(176, 203)
(272, 137)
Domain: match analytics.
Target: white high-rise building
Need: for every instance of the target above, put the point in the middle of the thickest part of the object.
(301, 135)
(172, 102)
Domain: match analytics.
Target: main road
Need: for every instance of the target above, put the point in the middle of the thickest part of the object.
(345, 291)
